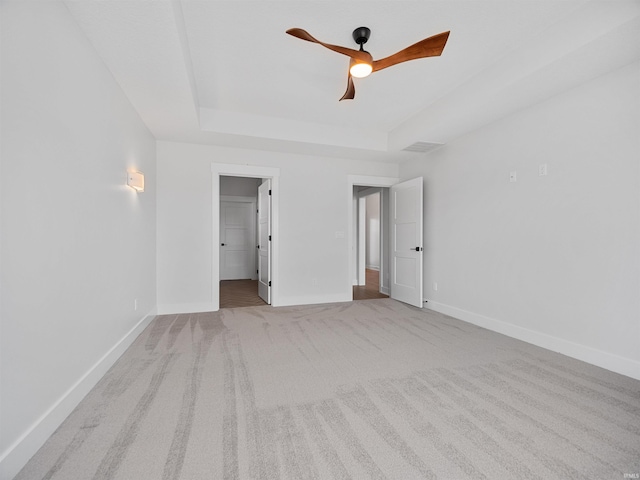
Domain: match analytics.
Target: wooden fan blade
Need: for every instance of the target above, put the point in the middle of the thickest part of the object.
(429, 47)
(349, 52)
(351, 90)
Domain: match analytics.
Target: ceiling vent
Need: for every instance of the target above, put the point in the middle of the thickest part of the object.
(422, 147)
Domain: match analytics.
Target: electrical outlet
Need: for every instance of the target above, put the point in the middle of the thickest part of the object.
(435, 286)
(135, 304)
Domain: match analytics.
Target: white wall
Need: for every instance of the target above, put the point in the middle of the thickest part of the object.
(313, 207)
(385, 247)
(373, 231)
(78, 246)
(239, 186)
(554, 259)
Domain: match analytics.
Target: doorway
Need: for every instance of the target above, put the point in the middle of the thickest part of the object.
(404, 227)
(238, 240)
(372, 263)
(239, 261)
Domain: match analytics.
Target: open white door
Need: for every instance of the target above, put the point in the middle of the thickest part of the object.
(406, 242)
(264, 239)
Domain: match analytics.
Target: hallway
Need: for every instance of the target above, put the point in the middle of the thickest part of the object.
(371, 289)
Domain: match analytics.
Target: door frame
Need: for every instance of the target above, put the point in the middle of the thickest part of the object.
(252, 201)
(251, 171)
(359, 181)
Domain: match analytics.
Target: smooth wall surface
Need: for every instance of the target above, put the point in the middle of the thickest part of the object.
(239, 186)
(78, 246)
(373, 231)
(553, 259)
(313, 222)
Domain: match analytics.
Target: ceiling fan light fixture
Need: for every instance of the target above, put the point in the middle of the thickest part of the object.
(362, 63)
(360, 69)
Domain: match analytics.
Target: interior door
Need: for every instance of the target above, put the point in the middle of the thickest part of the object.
(237, 236)
(406, 242)
(264, 241)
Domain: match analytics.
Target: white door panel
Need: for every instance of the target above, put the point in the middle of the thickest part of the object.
(264, 237)
(263, 269)
(237, 231)
(405, 272)
(406, 242)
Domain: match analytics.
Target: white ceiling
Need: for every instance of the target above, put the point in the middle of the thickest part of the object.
(225, 72)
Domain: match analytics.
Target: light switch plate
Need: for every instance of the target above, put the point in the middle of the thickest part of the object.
(542, 169)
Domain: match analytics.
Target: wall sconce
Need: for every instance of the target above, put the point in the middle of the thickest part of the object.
(136, 181)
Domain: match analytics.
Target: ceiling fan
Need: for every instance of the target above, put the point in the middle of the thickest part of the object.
(362, 63)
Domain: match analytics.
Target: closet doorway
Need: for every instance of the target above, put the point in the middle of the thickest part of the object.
(239, 249)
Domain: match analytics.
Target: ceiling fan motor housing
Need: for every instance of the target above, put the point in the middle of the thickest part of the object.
(361, 35)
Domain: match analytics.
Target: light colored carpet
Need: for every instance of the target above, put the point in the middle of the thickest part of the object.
(370, 389)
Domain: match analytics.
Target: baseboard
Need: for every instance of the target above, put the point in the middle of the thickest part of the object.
(172, 308)
(385, 290)
(18, 454)
(609, 361)
(312, 300)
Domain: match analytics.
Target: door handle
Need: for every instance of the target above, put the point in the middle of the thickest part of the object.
(222, 244)
(417, 249)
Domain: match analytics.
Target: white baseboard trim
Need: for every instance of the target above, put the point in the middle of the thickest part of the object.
(18, 454)
(609, 361)
(312, 300)
(172, 308)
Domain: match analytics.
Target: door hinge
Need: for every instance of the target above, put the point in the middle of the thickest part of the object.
(269, 192)
(257, 271)
(269, 282)
(269, 237)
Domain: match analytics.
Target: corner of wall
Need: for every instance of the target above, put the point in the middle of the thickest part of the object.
(18, 454)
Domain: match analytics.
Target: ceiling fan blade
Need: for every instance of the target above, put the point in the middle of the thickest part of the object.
(351, 90)
(349, 52)
(429, 47)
